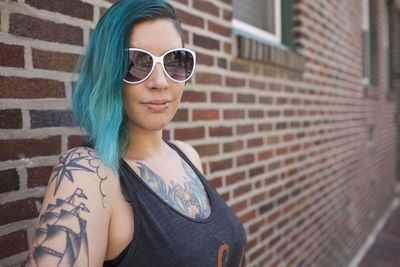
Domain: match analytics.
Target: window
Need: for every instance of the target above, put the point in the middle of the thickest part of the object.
(367, 36)
(268, 21)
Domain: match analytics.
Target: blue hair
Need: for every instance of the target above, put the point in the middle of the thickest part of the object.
(97, 98)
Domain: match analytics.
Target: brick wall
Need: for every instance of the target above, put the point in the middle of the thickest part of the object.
(302, 153)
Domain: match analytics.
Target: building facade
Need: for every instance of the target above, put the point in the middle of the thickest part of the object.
(293, 109)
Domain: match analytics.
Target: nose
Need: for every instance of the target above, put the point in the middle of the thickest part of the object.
(158, 78)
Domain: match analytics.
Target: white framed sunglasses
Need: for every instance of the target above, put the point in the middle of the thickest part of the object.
(178, 64)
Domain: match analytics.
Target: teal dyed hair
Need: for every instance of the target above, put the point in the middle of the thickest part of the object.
(97, 102)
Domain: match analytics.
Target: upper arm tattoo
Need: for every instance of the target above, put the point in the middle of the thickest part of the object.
(73, 161)
(60, 238)
(190, 199)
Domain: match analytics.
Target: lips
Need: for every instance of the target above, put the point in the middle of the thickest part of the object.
(157, 105)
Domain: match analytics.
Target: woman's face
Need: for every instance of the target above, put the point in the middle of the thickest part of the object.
(151, 104)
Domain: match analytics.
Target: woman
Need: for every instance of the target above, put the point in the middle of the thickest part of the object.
(127, 197)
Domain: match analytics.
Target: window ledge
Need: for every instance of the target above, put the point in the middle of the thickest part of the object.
(254, 50)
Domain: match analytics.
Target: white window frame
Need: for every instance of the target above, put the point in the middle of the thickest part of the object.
(258, 33)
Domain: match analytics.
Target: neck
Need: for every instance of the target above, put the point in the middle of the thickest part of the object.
(145, 144)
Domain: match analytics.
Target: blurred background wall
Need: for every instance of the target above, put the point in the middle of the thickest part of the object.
(293, 109)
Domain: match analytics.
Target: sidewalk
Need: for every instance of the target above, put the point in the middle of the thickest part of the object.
(385, 249)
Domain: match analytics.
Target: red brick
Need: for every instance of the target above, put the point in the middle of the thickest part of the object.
(251, 243)
(76, 140)
(267, 233)
(274, 241)
(245, 159)
(219, 29)
(207, 150)
(244, 129)
(221, 131)
(190, 133)
(246, 98)
(281, 151)
(225, 196)
(235, 82)
(39, 176)
(288, 112)
(274, 165)
(288, 137)
(234, 178)
(256, 254)
(227, 15)
(221, 165)
(273, 113)
(275, 87)
(267, 100)
(181, 115)
(265, 127)
(258, 198)
(72, 8)
(251, 215)
(239, 66)
(255, 142)
(206, 42)
(18, 87)
(233, 146)
(273, 216)
(257, 85)
(282, 100)
(275, 191)
(239, 206)
(256, 114)
(19, 210)
(54, 60)
(193, 96)
(281, 125)
(206, 6)
(28, 148)
(203, 59)
(12, 56)
(13, 243)
(35, 28)
(221, 97)
(289, 161)
(256, 171)
(243, 189)
(51, 118)
(208, 78)
(205, 114)
(216, 182)
(9, 180)
(230, 114)
(190, 19)
(10, 119)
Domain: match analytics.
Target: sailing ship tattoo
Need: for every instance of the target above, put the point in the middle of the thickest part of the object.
(61, 238)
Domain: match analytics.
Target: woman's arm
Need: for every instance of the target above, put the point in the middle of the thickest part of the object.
(72, 228)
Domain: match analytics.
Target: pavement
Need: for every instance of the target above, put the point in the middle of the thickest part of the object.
(384, 250)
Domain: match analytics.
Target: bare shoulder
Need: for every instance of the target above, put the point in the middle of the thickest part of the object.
(79, 199)
(190, 152)
(79, 165)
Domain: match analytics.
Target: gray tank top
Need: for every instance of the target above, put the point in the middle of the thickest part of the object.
(165, 237)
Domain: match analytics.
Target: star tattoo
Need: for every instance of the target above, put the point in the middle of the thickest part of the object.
(67, 164)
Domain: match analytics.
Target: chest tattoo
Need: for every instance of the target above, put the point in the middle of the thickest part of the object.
(190, 199)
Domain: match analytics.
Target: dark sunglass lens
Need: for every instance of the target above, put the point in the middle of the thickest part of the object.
(179, 64)
(140, 65)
